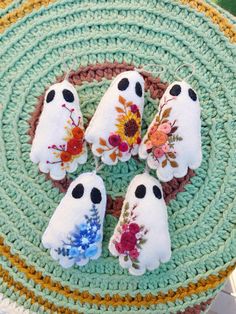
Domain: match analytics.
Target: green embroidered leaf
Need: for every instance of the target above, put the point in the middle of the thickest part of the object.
(175, 138)
(142, 241)
(173, 164)
(135, 265)
(164, 163)
(126, 258)
(157, 118)
(166, 113)
(127, 206)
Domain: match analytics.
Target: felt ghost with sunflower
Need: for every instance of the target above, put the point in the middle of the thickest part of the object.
(75, 231)
(114, 132)
(59, 146)
(141, 238)
(173, 140)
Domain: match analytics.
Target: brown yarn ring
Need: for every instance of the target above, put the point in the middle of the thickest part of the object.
(96, 73)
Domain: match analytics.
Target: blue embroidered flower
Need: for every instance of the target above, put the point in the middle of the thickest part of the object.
(91, 251)
(74, 252)
(83, 239)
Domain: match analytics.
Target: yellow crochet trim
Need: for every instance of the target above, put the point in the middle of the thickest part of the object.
(5, 3)
(204, 284)
(25, 8)
(225, 26)
(30, 5)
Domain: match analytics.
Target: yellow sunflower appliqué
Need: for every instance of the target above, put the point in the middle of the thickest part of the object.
(128, 132)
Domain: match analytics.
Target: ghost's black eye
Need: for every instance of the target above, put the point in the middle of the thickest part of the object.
(192, 94)
(68, 95)
(123, 84)
(138, 89)
(156, 191)
(78, 191)
(96, 196)
(140, 191)
(175, 90)
(50, 96)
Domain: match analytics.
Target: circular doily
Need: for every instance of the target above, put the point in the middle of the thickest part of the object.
(105, 38)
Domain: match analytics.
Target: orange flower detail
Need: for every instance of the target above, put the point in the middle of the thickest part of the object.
(65, 156)
(158, 138)
(78, 133)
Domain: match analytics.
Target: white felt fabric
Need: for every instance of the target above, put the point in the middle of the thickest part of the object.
(141, 238)
(75, 231)
(118, 115)
(55, 148)
(173, 140)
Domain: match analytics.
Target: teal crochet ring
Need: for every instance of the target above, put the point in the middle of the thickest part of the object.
(103, 39)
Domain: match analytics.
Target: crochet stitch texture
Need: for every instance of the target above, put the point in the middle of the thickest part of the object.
(106, 38)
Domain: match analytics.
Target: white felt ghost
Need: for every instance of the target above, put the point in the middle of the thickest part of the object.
(114, 132)
(59, 146)
(75, 231)
(141, 238)
(173, 140)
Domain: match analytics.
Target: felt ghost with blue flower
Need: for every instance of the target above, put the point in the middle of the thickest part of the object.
(75, 231)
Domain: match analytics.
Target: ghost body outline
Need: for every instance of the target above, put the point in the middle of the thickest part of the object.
(185, 113)
(51, 130)
(71, 212)
(150, 212)
(104, 120)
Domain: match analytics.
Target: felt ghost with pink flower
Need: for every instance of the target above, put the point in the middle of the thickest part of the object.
(114, 132)
(59, 146)
(141, 238)
(172, 143)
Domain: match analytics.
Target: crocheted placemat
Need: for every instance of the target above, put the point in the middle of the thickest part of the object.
(105, 38)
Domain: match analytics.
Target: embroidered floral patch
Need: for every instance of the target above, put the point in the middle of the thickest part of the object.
(162, 137)
(74, 138)
(128, 132)
(130, 237)
(83, 240)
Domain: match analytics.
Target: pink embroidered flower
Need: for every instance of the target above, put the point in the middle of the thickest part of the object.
(134, 108)
(165, 148)
(134, 228)
(153, 129)
(134, 253)
(165, 127)
(114, 140)
(125, 227)
(119, 248)
(123, 147)
(149, 145)
(158, 152)
(128, 241)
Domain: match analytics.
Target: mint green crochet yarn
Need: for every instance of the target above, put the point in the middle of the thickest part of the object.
(202, 217)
